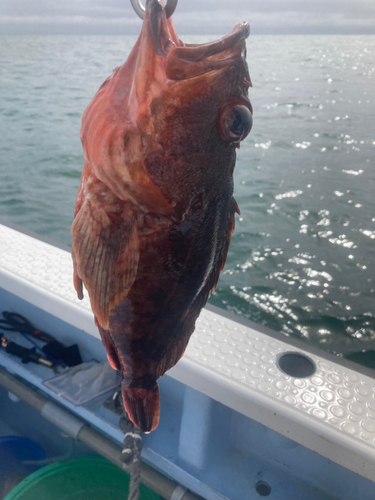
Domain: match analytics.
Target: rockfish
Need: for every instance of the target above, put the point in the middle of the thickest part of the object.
(154, 212)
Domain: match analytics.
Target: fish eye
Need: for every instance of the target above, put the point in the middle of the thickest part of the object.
(235, 122)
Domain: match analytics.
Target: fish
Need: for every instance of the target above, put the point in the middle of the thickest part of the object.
(155, 210)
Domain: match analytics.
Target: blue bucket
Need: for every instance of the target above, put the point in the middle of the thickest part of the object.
(15, 450)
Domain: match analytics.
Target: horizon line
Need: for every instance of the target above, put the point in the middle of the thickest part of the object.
(184, 33)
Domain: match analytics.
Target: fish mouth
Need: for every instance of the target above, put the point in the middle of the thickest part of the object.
(184, 61)
(191, 61)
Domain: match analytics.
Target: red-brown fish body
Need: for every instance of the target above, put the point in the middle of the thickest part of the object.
(155, 212)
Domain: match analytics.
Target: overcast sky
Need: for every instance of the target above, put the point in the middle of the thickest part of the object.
(192, 16)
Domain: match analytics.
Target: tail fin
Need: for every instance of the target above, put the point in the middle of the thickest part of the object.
(142, 406)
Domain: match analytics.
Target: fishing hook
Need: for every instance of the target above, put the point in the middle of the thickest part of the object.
(141, 11)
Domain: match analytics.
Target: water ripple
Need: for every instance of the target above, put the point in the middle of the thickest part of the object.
(302, 258)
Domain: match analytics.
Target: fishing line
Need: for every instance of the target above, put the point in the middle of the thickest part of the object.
(131, 454)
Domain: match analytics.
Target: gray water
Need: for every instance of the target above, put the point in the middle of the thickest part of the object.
(302, 257)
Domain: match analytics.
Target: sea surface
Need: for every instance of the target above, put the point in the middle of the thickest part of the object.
(302, 259)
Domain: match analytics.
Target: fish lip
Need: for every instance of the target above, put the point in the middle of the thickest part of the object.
(230, 47)
(188, 61)
(199, 52)
(239, 33)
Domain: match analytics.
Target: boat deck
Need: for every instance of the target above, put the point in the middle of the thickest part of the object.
(231, 374)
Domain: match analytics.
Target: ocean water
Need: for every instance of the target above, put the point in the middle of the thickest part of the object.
(302, 259)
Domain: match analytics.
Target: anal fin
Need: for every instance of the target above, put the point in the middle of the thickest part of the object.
(112, 357)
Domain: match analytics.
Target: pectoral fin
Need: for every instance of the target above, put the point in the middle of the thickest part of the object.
(105, 253)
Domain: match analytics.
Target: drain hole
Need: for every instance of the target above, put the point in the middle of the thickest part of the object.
(263, 489)
(296, 365)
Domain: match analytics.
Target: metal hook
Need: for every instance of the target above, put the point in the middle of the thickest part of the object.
(141, 10)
